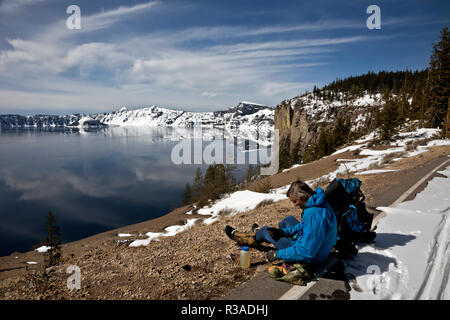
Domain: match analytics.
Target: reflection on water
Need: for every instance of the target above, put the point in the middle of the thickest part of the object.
(92, 180)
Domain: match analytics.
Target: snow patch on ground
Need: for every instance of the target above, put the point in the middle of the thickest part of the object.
(43, 249)
(239, 201)
(374, 159)
(169, 232)
(123, 235)
(293, 167)
(375, 171)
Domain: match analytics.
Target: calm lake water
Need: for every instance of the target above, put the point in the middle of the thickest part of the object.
(92, 181)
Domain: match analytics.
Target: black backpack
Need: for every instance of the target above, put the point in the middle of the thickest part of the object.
(353, 220)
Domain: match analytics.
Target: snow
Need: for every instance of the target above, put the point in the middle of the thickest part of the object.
(318, 107)
(31, 262)
(375, 158)
(375, 171)
(410, 258)
(293, 167)
(256, 104)
(123, 235)
(349, 148)
(43, 249)
(169, 232)
(239, 201)
(367, 137)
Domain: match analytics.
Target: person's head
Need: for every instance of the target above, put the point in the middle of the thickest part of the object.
(299, 193)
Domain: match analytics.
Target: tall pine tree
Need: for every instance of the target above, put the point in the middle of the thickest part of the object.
(53, 241)
(187, 195)
(439, 81)
(198, 186)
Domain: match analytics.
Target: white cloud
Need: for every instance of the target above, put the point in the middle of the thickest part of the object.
(9, 6)
(108, 18)
(58, 71)
(209, 95)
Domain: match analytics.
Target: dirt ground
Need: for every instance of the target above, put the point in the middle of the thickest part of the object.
(200, 263)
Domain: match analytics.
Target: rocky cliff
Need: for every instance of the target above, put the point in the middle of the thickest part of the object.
(300, 121)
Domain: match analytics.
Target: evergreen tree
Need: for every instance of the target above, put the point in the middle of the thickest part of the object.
(53, 241)
(417, 109)
(325, 143)
(439, 81)
(296, 157)
(341, 132)
(252, 172)
(218, 181)
(284, 156)
(187, 195)
(387, 119)
(198, 186)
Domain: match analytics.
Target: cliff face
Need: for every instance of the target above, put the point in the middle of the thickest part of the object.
(283, 119)
(301, 120)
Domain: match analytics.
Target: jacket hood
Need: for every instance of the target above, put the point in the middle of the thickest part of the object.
(317, 199)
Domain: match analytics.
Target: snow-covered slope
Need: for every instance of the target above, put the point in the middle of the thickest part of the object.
(245, 114)
(323, 109)
(87, 122)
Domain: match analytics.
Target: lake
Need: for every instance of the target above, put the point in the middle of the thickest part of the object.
(92, 180)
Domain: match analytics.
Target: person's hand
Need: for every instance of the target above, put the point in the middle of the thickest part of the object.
(271, 255)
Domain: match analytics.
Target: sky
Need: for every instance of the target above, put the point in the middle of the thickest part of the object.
(199, 55)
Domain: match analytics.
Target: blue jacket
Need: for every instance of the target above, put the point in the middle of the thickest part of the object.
(314, 237)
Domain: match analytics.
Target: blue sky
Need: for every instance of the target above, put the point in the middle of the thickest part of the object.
(199, 55)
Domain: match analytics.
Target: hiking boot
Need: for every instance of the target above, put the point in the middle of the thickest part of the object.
(230, 232)
(242, 238)
(255, 227)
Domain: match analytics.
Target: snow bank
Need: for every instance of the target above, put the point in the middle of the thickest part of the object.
(374, 158)
(410, 258)
(239, 201)
(375, 171)
(123, 235)
(169, 232)
(43, 249)
(293, 167)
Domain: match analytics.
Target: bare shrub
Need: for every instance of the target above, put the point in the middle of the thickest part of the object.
(411, 145)
(264, 203)
(373, 166)
(391, 156)
(320, 182)
(264, 186)
(225, 212)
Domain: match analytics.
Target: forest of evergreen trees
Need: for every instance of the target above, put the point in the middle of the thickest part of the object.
(218, 180)
(415, 95)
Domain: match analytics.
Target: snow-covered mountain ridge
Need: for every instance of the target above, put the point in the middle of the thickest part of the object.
(244, 115)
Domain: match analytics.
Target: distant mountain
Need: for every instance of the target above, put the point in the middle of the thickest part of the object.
(245, 115)
(87, 122)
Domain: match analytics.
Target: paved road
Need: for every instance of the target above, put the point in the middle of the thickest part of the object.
(333, 285)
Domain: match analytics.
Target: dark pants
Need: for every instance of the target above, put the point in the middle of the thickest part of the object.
(266, 234)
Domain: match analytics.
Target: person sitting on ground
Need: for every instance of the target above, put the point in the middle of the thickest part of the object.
(309, 241)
